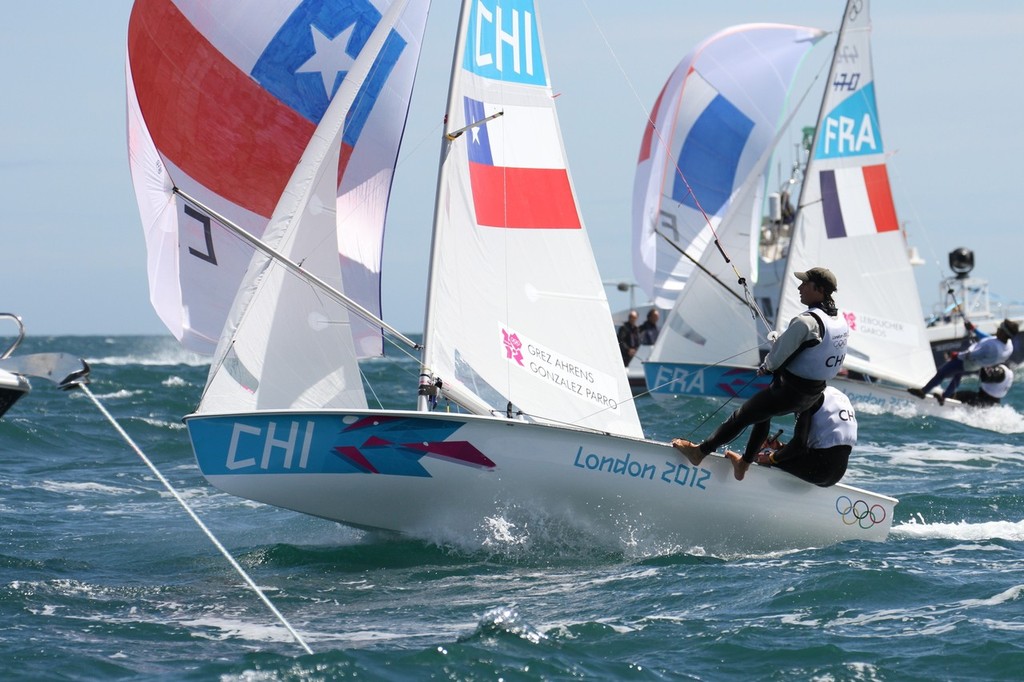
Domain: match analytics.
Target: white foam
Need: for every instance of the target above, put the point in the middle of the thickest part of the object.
(958, 455)
(169, 354)
(991, 530)
(175, 425)
(83, 487)
(1011, 594)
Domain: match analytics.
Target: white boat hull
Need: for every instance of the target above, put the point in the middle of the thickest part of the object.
(12, 388)
(882, 398)
(430, 474)
(894, 399)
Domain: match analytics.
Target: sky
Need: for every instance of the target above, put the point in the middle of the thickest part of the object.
(948, 87)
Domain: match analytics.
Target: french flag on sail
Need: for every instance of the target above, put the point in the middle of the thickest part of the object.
(516, 169)
(264, 72)
(857, 201)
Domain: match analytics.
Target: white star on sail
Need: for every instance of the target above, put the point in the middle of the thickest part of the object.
(330, 57)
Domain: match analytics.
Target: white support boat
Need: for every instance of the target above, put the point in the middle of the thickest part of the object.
(967, 299)
(545, 423)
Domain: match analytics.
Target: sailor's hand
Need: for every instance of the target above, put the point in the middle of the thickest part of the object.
(762, 371)
(764, 458)
(968, 326)
(954, 355)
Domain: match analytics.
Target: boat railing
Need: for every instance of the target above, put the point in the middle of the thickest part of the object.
(21, 334)
(970, 296)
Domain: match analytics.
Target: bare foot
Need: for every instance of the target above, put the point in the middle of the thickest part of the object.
(690, 450)
(739, 465)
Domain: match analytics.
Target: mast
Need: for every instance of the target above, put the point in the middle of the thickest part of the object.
(789, 269)
(428, 387)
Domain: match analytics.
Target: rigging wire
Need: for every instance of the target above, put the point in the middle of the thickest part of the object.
(740, 279)
(227, 555)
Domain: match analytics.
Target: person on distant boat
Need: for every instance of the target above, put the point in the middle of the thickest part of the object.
(823, 438)
(994, 384)
(985, 352)
(809, 353)
(649, 329)
(629, 338)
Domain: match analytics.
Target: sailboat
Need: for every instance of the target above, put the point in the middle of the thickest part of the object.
(845, 220)
(709, 135)
(707, 140)
(518, 341)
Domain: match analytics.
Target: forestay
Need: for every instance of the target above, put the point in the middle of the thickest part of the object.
(516, 309)
(847, 222)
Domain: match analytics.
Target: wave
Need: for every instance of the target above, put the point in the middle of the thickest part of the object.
(162, 358)
(989, 530)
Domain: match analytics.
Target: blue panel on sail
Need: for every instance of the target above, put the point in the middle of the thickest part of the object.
(712, 152)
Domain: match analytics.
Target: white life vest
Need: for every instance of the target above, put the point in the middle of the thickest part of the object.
(823, 361)
(834, 423)
(998, 382)
(987, 352)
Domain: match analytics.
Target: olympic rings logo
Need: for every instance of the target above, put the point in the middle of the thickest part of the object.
(859, 512)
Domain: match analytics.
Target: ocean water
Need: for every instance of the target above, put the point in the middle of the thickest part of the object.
(104, 576)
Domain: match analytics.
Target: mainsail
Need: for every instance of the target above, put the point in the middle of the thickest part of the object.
(517, 313)
(846, 221)
(222, 101)
(715, 117)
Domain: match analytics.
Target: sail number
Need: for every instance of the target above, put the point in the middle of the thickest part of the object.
(846, 81)
(209, 256)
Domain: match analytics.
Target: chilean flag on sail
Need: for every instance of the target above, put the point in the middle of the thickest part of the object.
(857, 201)
(223, 98)
(257, 109)
(518, 183)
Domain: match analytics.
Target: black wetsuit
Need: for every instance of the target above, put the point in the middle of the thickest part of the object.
(820, 466)
(787, 394)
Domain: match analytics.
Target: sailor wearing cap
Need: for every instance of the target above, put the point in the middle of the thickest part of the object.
(810, 352)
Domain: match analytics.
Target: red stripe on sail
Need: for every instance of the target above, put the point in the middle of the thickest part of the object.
(523, 197)
(876, 180)
(209, 118)
(648, 139)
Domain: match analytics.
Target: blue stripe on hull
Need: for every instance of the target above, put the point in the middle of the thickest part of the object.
(298, 443)
(676, 378)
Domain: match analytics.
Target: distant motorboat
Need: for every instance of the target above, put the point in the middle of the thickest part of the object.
(12, 386)
(63, 369)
